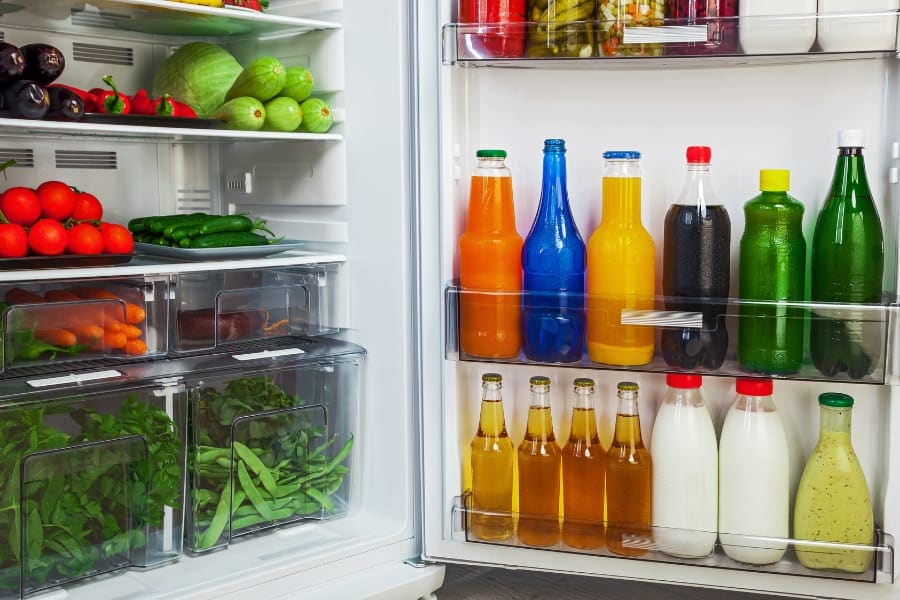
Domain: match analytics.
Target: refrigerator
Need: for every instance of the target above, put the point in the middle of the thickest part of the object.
(370, 293)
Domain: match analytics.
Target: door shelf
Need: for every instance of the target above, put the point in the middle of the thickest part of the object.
(648, 545)
(693, 317)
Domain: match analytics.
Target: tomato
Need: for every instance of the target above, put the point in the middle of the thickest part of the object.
(47, 237)
(116, 239)
(84, 238)
(20, 205)
(87, 207)
(57, 200)
(13, 241)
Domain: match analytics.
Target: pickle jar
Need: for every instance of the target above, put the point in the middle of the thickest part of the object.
(561, 28)
(719, 17)
(615, 15)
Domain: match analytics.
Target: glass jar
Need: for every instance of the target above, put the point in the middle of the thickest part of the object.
(615, 15)
(561, 28)
(719, 17)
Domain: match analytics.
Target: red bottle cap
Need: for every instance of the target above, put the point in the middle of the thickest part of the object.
(683, 381)
(754, 387)
(699, 154)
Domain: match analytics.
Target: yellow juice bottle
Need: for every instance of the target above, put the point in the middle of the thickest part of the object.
(493, 458)
(621, 263)
(539, 469)
(584, 474)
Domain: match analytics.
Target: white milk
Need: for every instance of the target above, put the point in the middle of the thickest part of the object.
(685, 480)
(759, 35)
(754, 486)
(857, 33)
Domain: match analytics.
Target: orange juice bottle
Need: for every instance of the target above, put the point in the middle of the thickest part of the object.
(628, 480)
(490, 264)
(493, 462)
(584, 472)
(620, 268)
(539, 468)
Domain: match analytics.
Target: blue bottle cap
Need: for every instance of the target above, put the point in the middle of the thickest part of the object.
(621, 155)
(554, 145)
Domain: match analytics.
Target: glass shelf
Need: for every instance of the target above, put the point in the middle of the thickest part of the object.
(702, 319)
(648, 545)
(664, 43)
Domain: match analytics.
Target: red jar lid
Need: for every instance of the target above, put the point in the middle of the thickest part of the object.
(683, 381)
(754, 387)
(699, 154)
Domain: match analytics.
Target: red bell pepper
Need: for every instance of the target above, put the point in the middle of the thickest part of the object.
(112, 101)
(85, 96)
(183, 110)
(163, 106)
(141, 104)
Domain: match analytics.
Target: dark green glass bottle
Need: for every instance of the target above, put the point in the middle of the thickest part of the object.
(847, 268)
(772, 269)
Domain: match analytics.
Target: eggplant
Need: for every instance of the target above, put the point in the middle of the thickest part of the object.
(65, 104)
(43, 63)
(27, 99)
(12, 62)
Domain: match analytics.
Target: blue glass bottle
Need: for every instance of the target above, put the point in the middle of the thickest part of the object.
(553, 264)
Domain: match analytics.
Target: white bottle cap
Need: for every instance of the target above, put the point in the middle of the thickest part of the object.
(851, 138)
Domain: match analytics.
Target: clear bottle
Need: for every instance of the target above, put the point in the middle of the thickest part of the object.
(621, 269)
(754, 479)
(685, 471)
(777, 26)
(553, 264)
(584, 474)
(628, 480)
(540, 460)
(833, 502)
(493, 462)
(697, 266)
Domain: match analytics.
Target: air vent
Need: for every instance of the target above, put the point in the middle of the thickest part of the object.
(193, 200)
(96, 19)
(112, 55)
(84, 159)
(24, 157)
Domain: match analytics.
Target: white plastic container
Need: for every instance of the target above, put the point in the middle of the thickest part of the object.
(777, 26)
(685, 471)
(843, 26)
(754, 480)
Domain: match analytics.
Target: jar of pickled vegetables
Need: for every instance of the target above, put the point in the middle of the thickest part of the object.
(719, 17)
(615, 15)
(561, 28)
(492, 28)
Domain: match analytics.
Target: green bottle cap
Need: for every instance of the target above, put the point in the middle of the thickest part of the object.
(774, 180)
(628, 386)
(539, 380)
(491, 153)
(582, 382)
(491, 378)
(836, 400)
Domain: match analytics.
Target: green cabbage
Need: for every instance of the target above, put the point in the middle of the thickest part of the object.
(198, 74)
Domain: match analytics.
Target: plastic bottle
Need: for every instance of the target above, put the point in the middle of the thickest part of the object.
(754, 477)
(621, 268)
(494, 28)
(584, 474)
(857, 32)
(685, 471)
(833, 502)
(719, 17)
(697, 265)
(490, 264)
(540, 460)
(493, 462)
(847, 267)
(553, 262)
(628, 480)
(772, 269)
(777, 26)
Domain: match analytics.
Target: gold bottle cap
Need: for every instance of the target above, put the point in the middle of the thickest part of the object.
(539, 380)
(628, 386)
(491, 378)
(584, 382)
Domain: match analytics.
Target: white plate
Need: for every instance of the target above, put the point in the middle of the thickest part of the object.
(215, 253)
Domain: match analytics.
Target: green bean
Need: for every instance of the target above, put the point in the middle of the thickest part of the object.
(219, 521)
(213, 454)
(256, 465)
(252, 493)
(321, 498)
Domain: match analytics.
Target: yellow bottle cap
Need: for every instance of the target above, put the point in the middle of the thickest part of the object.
(774, 180)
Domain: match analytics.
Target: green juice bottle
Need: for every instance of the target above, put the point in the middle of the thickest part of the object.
(772, 269)
(847, 268)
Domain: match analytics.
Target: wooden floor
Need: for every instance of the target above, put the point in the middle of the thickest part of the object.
(481, 583)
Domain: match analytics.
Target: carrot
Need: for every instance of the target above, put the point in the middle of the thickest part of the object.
(89, 335)
(20, 296)
(57, 337)
(133, 313)
(61, 296)
(115, 340)
(114, 326)
(132, 332)
(135, 347)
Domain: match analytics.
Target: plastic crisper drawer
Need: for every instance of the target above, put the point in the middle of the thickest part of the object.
(215, 309)
(91, 478)
(272, 438)
(58, 324)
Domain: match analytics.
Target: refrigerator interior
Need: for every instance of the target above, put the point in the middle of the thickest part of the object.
(345, 195)
(759, 113)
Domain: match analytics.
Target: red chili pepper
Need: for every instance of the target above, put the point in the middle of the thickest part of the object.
(112, 102)
(163, 106)
(85, 96)
(183, 110)
(141, 103)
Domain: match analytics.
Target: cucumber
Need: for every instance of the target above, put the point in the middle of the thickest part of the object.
(299, 84)
(244, 113)
(228, 240)
(262, 79)
(282, 114)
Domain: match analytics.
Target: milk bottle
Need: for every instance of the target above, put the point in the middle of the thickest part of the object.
(859, 32)
(762, 29)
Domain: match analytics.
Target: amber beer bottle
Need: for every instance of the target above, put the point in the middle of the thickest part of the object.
(539, 470)
(493, 461)
(584, 473)
(628, 480)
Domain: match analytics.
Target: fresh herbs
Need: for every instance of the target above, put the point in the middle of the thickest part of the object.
(276, 466)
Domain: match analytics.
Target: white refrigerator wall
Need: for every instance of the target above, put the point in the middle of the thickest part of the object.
(754, 116)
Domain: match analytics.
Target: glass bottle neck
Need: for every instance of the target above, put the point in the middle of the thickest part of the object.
(554, 195)
(628, 404)
(491, 392)
(540, 396)
(834, 420)
(584, 398)
(684, 397)
(850, 175)
(755, 404)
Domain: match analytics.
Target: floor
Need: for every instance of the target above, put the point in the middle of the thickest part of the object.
(481, 583)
